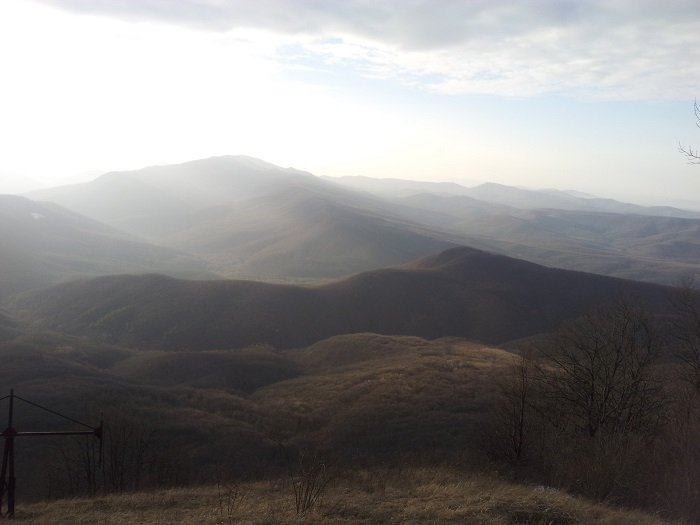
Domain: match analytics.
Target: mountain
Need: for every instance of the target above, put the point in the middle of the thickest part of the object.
(155, 201)
(632, 246)
(396, 188)
(252, 220)
(305, 233)
(562, 200)
(44, 243)
(505, 196)
(461, 292)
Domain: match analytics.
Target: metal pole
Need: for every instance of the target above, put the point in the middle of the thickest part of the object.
(7, 483)
(10, 441)
(3, 484)
(12, 480)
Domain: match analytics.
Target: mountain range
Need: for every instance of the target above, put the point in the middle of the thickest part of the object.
(223, 308)
(242, 218)
(233, 251)
(461, 292)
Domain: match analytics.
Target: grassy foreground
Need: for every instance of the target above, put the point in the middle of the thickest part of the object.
(408, 496)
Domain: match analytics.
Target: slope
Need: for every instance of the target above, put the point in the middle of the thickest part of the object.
(461, 292)
(418, 496)
(204, 409)
(43, 243)
(305, 233)
(372, 407)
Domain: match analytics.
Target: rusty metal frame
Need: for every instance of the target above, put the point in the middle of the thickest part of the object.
(7, 479)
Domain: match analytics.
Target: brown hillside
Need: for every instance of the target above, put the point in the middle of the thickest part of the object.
(400, 398)
(362, 402)
(343, 350)
(241, 371)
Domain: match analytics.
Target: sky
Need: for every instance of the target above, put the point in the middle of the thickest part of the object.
(593, 96)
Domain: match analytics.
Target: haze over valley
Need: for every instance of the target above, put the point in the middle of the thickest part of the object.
(243, 218)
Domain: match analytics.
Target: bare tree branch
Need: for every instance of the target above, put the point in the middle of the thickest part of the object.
(692, 155)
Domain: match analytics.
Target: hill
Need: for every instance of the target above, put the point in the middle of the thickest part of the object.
(228, 409)
(44, 243)
(393, 418)
(419, 496)
(461, 292)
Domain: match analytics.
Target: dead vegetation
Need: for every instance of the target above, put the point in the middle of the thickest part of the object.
(413, 496)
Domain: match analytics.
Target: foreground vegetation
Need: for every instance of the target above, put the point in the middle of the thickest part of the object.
(383, 495)
(605, 408)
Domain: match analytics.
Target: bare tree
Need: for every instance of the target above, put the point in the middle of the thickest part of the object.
(599, 371)
(132, 457)
(510, 424)
(692, 155)
(586, 411)
(684, 330)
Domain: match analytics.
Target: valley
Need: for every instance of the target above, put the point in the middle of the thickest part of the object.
(227, 315)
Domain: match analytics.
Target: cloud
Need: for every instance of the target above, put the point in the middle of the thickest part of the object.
(598, 49)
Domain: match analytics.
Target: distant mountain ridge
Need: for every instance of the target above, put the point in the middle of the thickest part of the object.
(249, 219)
(43, 243)
(461, 292)
(510, 196)
(151, 201)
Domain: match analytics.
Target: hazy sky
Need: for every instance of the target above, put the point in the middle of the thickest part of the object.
(587, 95)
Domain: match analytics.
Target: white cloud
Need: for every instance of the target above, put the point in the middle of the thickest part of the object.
(642, 49)
(321, 85)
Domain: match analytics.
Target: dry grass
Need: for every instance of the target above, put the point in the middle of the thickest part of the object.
(409, 497)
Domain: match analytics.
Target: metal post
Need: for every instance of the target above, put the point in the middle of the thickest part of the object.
(12, 480)
(3, 480)
(7, 477)
(8, 460)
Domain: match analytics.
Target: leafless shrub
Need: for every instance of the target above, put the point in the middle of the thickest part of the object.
(310, 472)
(229, 495)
